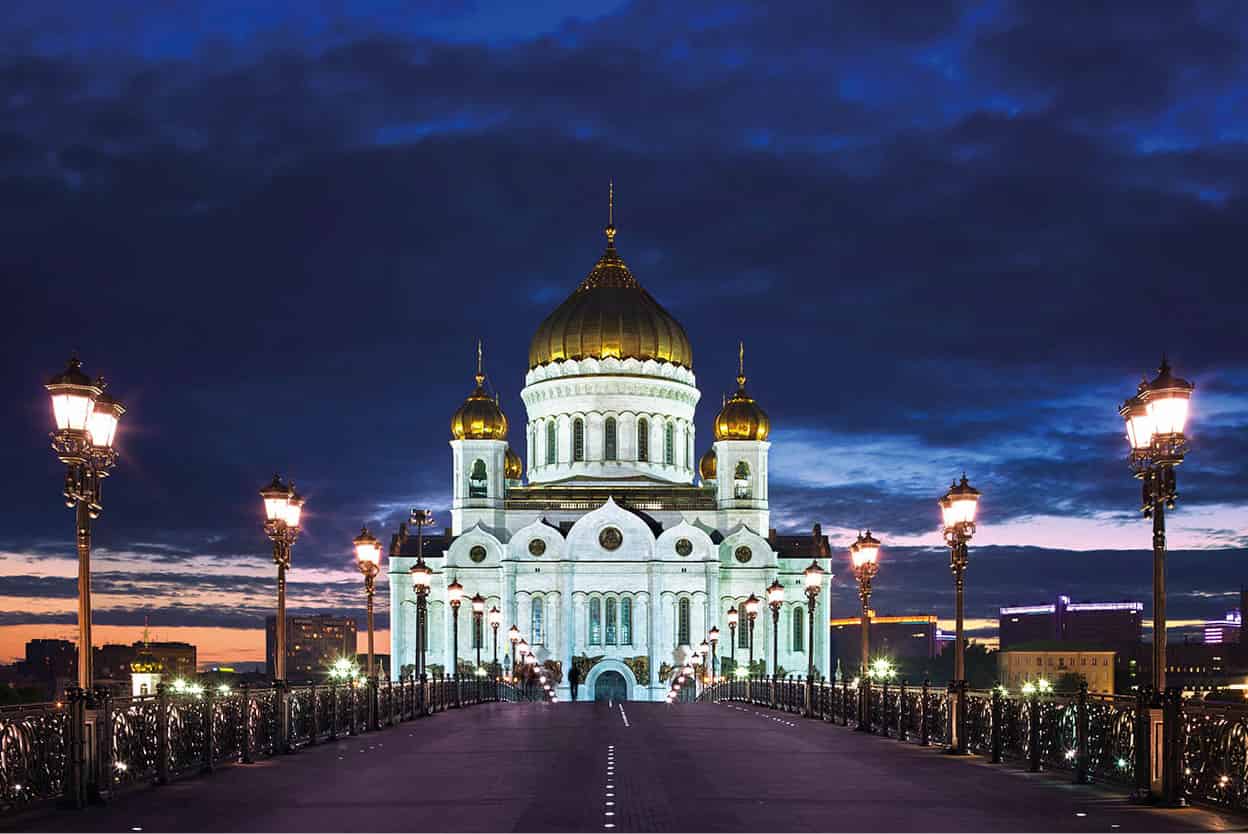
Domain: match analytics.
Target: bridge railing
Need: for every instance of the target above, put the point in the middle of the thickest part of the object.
(94, 744)
(1168, 748)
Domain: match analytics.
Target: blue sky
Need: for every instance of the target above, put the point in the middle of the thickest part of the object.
(953, 235)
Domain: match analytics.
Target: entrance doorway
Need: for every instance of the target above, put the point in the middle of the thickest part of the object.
(610, 686)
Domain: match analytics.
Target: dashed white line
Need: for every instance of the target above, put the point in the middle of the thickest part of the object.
(624, 715)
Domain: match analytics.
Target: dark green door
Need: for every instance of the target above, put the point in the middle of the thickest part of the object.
(610, 686)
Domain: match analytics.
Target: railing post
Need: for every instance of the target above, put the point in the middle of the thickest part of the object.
(959, 718)
(374, 690)
(333, 712)
(1172, 749)
(996, 725)
(353, 700)
(313, 696)
(1033, 734)
(844, 702)
(245, 744)
(390, 700)
(903, 712)
(104, 744)
(925, 729)
(162, 734)
(210, 735)
(884, 709)
(1081, 735)
(76, 744)
(283, 718)
(1143, 784)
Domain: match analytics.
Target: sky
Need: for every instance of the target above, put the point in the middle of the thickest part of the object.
(953, 236)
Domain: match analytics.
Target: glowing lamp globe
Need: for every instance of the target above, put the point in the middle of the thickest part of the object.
(864, 551)
(276, 497)
(495, 617)
(102, 425)
(73, 398)
(1167, 402)
(732, 616)
(959, 503)
(775, 594)
(367, 550)
(478, 604)
(422, 576)
(455, 593)
(812, 577)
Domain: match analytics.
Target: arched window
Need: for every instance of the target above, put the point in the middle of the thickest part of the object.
(799, 629)
(682, 622)
(643, 440)
(478, 632)
(608, 439)
(743, 627)
(476, 480)
(741, 480)
(626, 622)
(611, 622)
(537, 635)
(552, 444)
(669, 444)
(578, 439)
(595, 622)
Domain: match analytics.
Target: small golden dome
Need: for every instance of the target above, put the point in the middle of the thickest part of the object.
(708, 465)
(610, 315)
(741, 418)
(513, 469)
(480, 417)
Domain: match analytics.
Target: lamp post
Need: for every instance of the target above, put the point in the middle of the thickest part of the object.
(704, 649)
(523, 648)
(863, 554)
(513, 635)
(732, 635)
(422, 579)
(420, 519)
(86, 424)
(713, 639)
(455, 596)
(1155, 418)
(495, 619)
(957, 507)
(368, 558)
(775, 599)
(751, 614)
(478, 620)
(813, 577)
(283, 508)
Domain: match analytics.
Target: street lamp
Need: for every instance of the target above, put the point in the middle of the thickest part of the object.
(1155, 418)
(813, 578)
(704, 649)
(863, 554)
(775, 599)
(751, 614)
(368, 558)
(713, 637)
(455, 595)
(478, 618)
(283, 507)
(957, 508)
(422, 580)
(732, 635)
(86, 424)
(523, 648)
(495, 619)
(513, 635)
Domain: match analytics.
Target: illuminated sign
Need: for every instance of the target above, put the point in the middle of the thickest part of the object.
(1029, 609)
(1106, 606)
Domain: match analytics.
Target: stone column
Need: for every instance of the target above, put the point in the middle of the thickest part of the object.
(652, 642)
(567, 621)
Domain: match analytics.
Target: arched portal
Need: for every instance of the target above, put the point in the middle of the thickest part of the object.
(610, 679)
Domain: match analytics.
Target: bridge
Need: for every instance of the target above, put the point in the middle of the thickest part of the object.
(481, 756)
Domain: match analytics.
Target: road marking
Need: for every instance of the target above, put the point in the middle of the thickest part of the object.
(624, 716)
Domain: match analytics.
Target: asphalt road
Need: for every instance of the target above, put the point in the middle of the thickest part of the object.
(613, 768)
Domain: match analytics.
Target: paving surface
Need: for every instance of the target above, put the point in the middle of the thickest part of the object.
(619, 768)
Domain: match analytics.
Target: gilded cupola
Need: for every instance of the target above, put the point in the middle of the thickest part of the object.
(610, 315)
(708, 465)
(513, 468)
(741, 418)
(480, 417)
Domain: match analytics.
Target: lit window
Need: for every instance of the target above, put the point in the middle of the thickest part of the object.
(595, 622)
(741, 480)
(682, 622)
(578, 439)
(669, 444)
(799, 631)
(477, 628)
(552, 446)
(611, 622)
(643, 440)
(626, 622)
(608, 439)
(536, 634)
(477, 480)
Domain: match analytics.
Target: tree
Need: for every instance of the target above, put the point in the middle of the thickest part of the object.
(1068, 682)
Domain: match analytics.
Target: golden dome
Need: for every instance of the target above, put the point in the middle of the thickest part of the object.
(513, 469)
(708, 465)
(610, 315)
(480, 417)
(741, 418)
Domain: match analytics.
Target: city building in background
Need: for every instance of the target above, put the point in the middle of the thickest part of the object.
(1061, 662)
(313, 643)
(899, 638)
(1117, 627)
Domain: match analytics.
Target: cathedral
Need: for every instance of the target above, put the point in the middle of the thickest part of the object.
(618, 548)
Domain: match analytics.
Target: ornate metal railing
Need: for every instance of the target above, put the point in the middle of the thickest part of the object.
(1214, 745)
(154, 739)
(1100, 738)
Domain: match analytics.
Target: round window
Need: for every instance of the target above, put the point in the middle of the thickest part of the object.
(610, 538)
(684, 547)
(743, 554)
(537, 546)
(477, 554)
